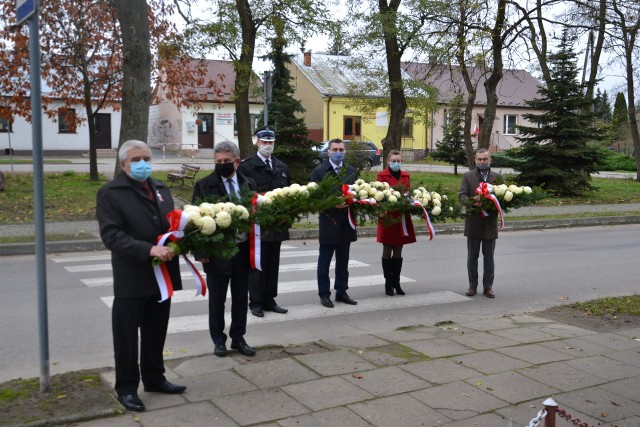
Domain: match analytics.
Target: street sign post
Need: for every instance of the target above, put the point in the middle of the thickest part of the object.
(24, 10)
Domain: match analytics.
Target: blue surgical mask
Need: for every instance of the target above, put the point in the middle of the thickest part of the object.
(337, 157)
(395, 166)
(140, 170)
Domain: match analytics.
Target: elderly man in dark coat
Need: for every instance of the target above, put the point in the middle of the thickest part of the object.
(131, 211)
(224, 184)
(335, 231)
(480, 231)
(268, 173)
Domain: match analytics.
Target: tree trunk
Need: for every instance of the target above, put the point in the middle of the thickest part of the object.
(244, 77)
(633, 121)
(398, 100)
(491, 84)
(597, 50)
(136, 88)
(93, 155)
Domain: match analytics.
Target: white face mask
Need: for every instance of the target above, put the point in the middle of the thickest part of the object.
(266, 149)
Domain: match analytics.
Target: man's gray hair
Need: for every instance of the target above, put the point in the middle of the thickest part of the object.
(128, 145)
(483, 151)
(227, 147)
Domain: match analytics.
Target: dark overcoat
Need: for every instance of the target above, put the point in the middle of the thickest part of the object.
(334, 227)
(265, 180)
(393, 234)
(213, 186)
(130, 224)
(474, 224)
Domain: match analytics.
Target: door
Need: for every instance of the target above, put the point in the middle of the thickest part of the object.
(103, 130)
(205, 130)
(352, 130)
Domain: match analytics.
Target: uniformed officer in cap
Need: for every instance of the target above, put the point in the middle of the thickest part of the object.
(268, 173)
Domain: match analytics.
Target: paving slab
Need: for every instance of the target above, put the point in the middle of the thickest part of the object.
(485, 420)
(379, 357)
(629, 422)
(614, 341)
(633, 333)
(576, 347)
(459, 399)
(628, 388)
(335, 362)
(276, 373)
(630, 357)
(327, 393)
(119, 421)
(400, 410)
(534, 353)
(562, 376)
(512, 387)
(605, 367)
(259, 406)
(387, 381)
(599, 404)
(328, 417)
(487, 325)
(206, 387)
(438, 347)
(483, 341)
(204, 365)
(524, 335)
(528, 319)
(407, 334)
(440, 371)
(524, 412)
(356, 341)
(197, 414)
(489, 362)
(564, 331)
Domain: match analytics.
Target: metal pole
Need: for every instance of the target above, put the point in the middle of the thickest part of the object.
(38, 199)
(551, 407)
(266, 91)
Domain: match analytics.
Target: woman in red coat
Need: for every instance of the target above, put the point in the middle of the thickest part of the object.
(395, 235)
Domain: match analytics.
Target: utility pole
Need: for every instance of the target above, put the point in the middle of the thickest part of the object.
(266, 87)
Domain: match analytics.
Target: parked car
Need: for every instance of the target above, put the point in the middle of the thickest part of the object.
(363, 157)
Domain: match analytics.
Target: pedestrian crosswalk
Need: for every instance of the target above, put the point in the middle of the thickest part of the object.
(297, 276)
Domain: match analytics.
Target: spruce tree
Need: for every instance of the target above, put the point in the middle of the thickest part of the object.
(620, 130)
(292, 143)
(452, 148)
(557, 155)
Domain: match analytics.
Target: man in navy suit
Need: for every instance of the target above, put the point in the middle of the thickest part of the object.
(336, 233)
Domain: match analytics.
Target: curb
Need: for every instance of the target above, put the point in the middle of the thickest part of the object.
(298, 234)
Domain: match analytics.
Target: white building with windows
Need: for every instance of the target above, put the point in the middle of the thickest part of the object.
(193, 128)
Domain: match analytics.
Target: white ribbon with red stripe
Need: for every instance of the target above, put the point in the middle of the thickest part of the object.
(432, 231)
(486, 190)
(178, 221)
(255, 255)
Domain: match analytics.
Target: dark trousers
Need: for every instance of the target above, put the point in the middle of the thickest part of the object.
(218, 285)
(152, 318)
(341, 283)
(263, 285)
(473, 252)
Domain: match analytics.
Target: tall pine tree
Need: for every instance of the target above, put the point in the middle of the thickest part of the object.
(452, 148)
(292, 143)
(620, 129)
(558, 157)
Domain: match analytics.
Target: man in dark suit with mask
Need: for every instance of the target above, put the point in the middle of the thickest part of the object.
(225, 184)
(268, 173)
(335, 231)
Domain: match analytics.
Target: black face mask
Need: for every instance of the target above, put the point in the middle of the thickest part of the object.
(225, 169)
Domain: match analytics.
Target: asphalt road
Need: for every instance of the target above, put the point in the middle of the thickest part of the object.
(535, 270)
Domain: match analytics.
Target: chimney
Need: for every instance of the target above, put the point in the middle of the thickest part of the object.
(307, 58)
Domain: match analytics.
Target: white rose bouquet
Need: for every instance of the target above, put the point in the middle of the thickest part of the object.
(508, 196)
(440, 207)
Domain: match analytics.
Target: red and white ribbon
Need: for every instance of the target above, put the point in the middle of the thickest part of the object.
(178, 220)
(432, 231)
(486, 190)
(255, 255)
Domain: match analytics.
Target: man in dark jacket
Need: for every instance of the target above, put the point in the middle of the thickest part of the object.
(225, 184)
(131, 211)
(480, 231)
(268, 173)
(335, 231)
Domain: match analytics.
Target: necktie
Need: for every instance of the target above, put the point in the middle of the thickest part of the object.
(268, 162)
(338, 169)
(147, 191)
(232, 188)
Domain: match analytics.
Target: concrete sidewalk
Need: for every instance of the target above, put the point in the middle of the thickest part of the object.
(493, 372)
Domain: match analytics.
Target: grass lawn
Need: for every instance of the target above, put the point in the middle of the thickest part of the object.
(71, 196)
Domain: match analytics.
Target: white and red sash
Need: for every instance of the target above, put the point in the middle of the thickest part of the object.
(486, 190)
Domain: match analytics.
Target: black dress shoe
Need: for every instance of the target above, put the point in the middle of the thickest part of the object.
(166, 388)
(131, 402)
(257, 311)
(277, 309)
(346, 299)
(243, 348)
(220, 350)
(326, 302)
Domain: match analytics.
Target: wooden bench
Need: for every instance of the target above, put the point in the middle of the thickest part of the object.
(187, 172)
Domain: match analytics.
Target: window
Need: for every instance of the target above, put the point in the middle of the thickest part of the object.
(253, 122)
(5, 120)
(510, 122)
(407, 127)
(352, 127)
(67, 120)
